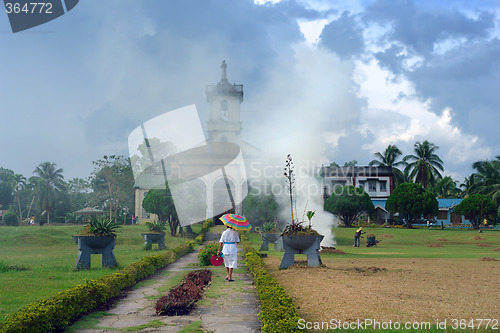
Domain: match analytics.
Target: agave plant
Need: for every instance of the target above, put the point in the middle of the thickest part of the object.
(103, 227)
(269, 227)
(156, 226)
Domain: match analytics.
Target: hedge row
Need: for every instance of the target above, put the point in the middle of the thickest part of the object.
(59, 311)
(278, 312)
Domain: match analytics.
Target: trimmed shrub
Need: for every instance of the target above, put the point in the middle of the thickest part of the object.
(59, 311)
(10, 218)
(206, 252)
(182, 298)
(278, 312)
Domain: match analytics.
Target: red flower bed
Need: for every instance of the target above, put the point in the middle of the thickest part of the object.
(182, 298)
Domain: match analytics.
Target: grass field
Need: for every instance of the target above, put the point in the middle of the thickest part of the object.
(420, 275)
(37, 262)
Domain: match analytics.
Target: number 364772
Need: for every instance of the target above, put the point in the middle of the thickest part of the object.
(28, 8)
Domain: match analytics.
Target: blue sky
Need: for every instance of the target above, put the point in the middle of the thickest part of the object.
(323, 80)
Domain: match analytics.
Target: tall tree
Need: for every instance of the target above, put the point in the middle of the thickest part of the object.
(487, 179)
(468, 185)
(113, 184)
(412, 202)
(53, 185)
(161, 203)
(425, 165)
(19, 182)
(475, 208)
(446, 187)
(6, 188)
(348, 204)
(389, 158)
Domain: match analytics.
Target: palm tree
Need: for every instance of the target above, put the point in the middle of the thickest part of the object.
(53, 184)
(446, 188)
(388, 159)
(488, 178)
(424, 166)
(468, 185)
(19, 182)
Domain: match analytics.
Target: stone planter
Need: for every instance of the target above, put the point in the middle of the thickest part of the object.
(88, 245)
(274, 238)
(154, 238)
(296, 244)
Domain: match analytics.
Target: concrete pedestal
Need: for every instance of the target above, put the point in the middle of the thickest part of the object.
(309, 245)
(150, 238)
(88, 245)
(271, 238)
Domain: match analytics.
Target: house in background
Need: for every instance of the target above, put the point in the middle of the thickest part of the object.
(446, 214)
(376, 181)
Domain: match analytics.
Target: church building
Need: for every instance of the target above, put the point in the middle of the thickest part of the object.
(216, 167)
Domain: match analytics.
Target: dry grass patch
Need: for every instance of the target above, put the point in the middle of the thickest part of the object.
(483, 244)
(394, 289)
(488, 259)
(435, 245)
(442, 240)
(478, 238)
(387, 236)
(496, 249)
(325, 249)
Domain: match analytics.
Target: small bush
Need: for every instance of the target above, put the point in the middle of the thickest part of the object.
(4, 267)
(182, 298)
(206, 252)
(10, 218)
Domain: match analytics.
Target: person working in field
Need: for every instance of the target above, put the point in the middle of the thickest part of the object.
(227, 243)
(357, 236)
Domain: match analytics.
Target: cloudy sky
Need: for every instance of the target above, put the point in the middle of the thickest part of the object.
(323, 80)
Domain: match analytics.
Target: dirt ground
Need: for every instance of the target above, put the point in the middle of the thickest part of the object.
(393, 289)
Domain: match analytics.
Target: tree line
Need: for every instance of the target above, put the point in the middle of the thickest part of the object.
(424, 167)
(419, 183)
(48, 197)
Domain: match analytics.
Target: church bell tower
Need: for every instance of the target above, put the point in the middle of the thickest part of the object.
(224, 98)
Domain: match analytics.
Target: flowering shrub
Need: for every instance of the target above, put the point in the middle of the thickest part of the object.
(206, 252)
(182, 298)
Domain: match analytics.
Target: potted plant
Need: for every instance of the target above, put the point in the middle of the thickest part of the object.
(270, 233)
(156, 234)
(298, 238)
(97, 237)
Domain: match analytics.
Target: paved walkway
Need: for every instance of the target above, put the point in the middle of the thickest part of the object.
(225, 307)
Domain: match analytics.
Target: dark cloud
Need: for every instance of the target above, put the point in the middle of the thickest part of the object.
(420, 29)
(343, 36)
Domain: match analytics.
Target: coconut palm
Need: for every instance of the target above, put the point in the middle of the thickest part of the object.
(446, 187)
(425, 165)
(388, 159)
(488, 178)
(53, 185)
(468, 185)
(19, 181)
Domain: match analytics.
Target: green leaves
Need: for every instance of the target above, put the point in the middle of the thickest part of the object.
(103, 227)
(412, 202)
(156, 226)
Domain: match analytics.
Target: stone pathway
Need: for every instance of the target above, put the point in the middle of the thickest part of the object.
(225, 307)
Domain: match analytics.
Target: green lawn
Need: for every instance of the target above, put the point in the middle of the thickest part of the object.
(412, 243)
(44, 258)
